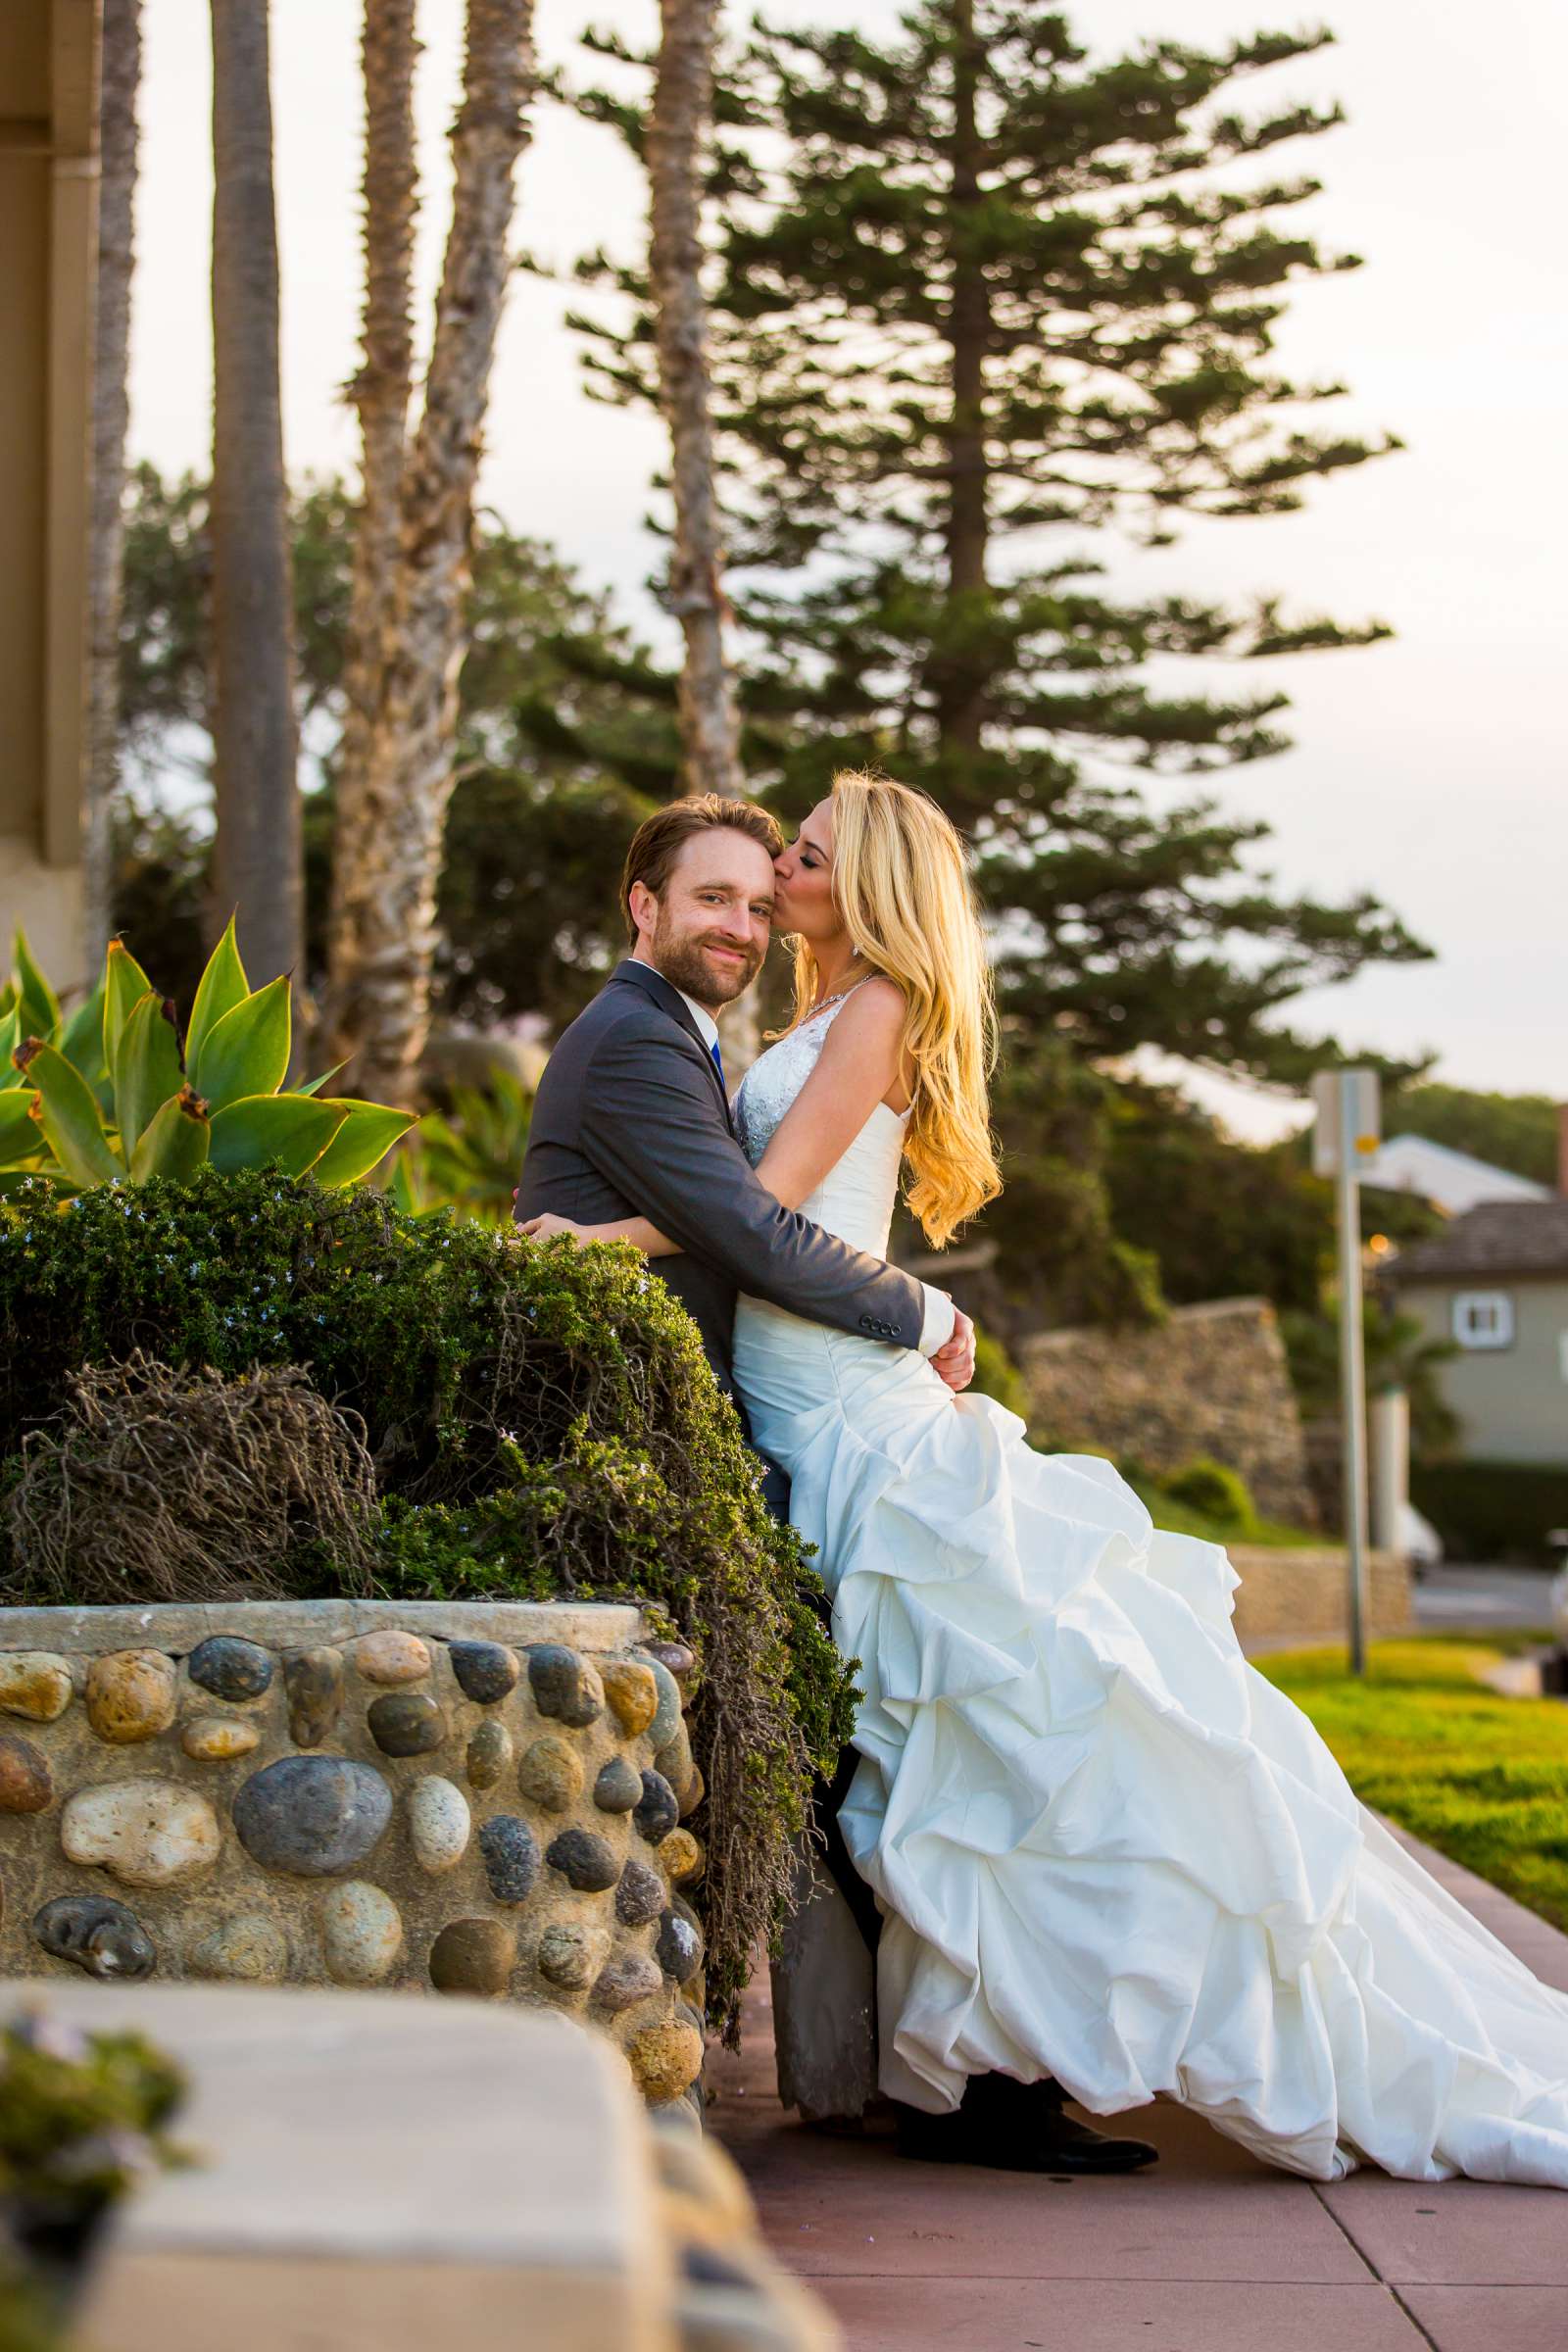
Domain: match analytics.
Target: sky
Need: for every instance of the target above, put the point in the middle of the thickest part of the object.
(1430, 770)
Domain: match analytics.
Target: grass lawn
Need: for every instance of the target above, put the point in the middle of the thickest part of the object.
(1483, 1778)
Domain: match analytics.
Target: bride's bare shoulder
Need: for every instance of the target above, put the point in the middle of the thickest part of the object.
(877, 1008)
(862, 1047)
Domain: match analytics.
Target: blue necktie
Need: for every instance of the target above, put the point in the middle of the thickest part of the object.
(718, 1065)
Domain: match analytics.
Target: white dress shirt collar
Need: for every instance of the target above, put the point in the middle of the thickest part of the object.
(701, 1016)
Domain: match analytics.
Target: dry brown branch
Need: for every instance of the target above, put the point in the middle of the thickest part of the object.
(161, 1485)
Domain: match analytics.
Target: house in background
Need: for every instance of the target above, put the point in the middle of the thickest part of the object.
(1452, 1181)
(1496, 1284)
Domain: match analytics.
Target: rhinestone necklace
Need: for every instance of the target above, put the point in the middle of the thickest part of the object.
(823, 1002)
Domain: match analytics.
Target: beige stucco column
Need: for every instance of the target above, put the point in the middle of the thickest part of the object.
(48, 233)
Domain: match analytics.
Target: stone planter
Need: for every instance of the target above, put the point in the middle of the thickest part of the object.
(469, 1798)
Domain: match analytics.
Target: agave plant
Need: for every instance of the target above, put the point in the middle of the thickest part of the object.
(112, 1096)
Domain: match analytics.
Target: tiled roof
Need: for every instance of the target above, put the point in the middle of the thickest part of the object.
(1498, 1237)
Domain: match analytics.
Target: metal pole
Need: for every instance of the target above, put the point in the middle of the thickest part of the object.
(1353, 1371)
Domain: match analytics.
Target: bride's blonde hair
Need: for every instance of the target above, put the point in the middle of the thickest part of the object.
(900, 882)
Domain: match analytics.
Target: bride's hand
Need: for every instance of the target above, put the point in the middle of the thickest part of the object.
(545, 1228)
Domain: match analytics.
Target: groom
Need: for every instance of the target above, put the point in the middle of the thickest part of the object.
(632, 1118)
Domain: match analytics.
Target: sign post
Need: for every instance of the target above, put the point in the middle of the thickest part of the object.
(1348, 1133)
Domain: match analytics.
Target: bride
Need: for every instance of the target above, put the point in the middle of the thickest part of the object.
(1105, 1849)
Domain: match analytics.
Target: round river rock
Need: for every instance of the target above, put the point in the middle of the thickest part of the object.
(391, 1657)
(565, 1684)
(406, 1723)
(678, 1656)
(230, 1667)
(248, 1949)
(665, 2058)
(618, 1786)
(362, 1934)
(626, 1978)
(217, 1738)
(472, 1955)
(632, 1692)
(510, 1857)
(35, 1684)
(573, 1951)
(489, 1754)
(667, 1713)
(130, 1696)
(313, 1816)
(485, 1671)
(26, 1785)
(314, 1680)
(674, 1759)
(146, 1832)
(658, 1811)
(439, 1823)
(97, 1934)
(681, 1856)
(639, 1895)
(584, 1860)
(678, 1948)
(550, 1774)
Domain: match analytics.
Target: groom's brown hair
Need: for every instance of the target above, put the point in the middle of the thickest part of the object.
(659, 841)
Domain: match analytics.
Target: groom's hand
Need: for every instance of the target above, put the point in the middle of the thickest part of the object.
(955, 1360)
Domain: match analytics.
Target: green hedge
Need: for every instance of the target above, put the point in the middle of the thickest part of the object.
(1217, 1493)
(541, 1419)
(1493, 1510)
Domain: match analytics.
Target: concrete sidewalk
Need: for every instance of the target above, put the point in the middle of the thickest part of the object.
(1209, 2252)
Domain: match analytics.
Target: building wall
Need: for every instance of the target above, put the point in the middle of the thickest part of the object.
(25, 308)
(48, 220)
(1212, 1380)
(1512, 1402)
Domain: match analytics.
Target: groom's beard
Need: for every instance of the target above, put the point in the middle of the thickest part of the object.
(683, 963)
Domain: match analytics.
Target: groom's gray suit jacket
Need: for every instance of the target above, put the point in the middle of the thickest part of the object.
(631, 1120)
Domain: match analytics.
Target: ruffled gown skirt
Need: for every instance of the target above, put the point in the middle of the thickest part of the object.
(1105, 1849)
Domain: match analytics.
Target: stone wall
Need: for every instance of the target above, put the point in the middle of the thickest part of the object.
(466, 1798)
(1302, 1594)
(1212, 1380)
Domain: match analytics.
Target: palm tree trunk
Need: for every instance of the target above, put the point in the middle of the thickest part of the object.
(117, 250)
(257, 853)
(386, 938)
(380, 392)
(677, 133)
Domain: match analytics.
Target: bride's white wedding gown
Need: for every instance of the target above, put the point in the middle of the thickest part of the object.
(1106, 1848)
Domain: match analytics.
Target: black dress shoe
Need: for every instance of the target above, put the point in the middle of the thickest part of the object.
(1054, 2143)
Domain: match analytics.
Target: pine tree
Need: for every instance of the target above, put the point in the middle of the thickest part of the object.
(997, 297)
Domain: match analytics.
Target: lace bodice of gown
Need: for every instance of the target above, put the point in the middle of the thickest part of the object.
(855, 1199)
